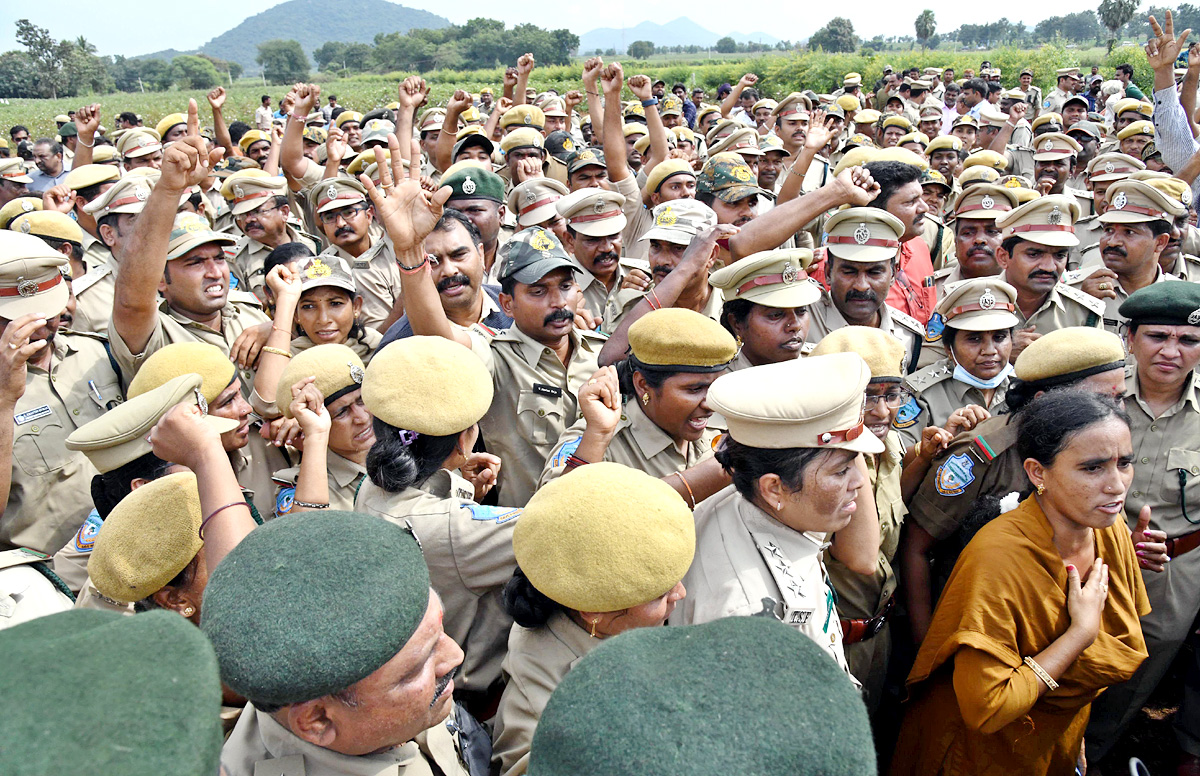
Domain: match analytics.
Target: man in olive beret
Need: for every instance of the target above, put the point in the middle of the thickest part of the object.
(478, 194)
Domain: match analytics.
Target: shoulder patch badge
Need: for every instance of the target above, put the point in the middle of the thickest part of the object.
(497, 515)
(284, 499)
(933, 329)
(908, 414)
(955, 474)
(85, 539)
(566, 451)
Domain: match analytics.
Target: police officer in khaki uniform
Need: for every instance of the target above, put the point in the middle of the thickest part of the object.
(862, 242)
(620, 417)
(1102, 171)
(976, 238)
(565, 608)
(55, 381)
(258, 202)
(1164, 412)
(594, 227)
(296, 665)
(984, 462)
(413, 481)
(866, 601)
(979, 308)
(1129, 265)
(1068, 81)
(1178, 258)
(86, 184)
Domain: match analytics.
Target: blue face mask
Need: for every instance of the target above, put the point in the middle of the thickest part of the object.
(963, 376)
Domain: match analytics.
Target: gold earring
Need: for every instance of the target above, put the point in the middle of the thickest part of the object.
(188, 612)
(738, 339)
(1041, 489)
(646, 398)
(594, 627)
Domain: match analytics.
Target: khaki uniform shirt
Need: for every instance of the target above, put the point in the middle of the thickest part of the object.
(1166, 476)
(377, 276)
(939, 238)
(597, 299)
(258, 739)
(1064, 306)
(51, 488)
(627, 298)
(1186, 267)
(638, 444)
(535, 401)
(468, 548)
(537, 660)
(26, 593)
(94, 293)
(981, 462)
(743, 556)
(638, 220)
(70, 562)
(241, 312)
(936, 395)
(1056, 100)
(1087, 254)
(825, 317)
(345, 476)
(254, 464)
(1113, 320)
(1020, 159)
(248, 263)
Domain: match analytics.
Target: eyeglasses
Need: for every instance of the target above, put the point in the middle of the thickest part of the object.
(892, 400)
(345, 213)
(240, 218)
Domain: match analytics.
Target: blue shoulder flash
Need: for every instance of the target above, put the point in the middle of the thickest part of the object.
(284, 499)
(497, 515)
(908, 414)
(85, 538)
(933, 329)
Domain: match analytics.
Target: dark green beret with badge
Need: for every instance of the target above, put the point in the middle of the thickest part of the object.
(146, 685)
(474, 182)
(740, 695)
(1165, 304)
(310, 604)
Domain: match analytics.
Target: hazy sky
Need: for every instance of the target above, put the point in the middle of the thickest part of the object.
(188, 25)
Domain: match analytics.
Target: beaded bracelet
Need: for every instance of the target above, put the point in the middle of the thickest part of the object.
(309, 505)
(413, 270)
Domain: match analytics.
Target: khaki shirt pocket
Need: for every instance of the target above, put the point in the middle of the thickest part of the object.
(1183, 473)
(540, 417)
(39, 446)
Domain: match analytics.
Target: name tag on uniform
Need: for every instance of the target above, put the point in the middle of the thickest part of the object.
(28, 416)
(360, 264)
(547, 390)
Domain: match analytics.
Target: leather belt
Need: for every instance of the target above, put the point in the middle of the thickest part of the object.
(854, 631)
(1183, 544)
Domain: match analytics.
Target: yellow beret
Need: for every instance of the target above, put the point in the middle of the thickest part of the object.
(252, 137)
(978, 173)
(338, 370)
(90, 175)
(914, 137)
(897, 121)
(634, 128)
(1174, 188)
(677, 339)
(770, 278)
(1047, 118)
(167, 122)
(943, 143)
(149, 537)
(869, 116)
(119, 436)
(664, 170)
(1136, 128)
(522, 137)
(1068, 354)
(883, 353)
(407, 383)
(524, 115)
(48, 223)
(346, 117)
(17, 207)
(578, 546)
(986, 158)
(763, 409)
(181, 358)
(103, 154)
(1133, 104)
(848, 102)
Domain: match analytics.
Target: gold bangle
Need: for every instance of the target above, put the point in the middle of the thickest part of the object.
(1041, 673)
(276, 351)
(691, 495)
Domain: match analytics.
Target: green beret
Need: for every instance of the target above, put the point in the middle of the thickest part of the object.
(309, 605)
(579, 545)
(676, 339)
(1164, 304)
(740, 695)
(474, 183)
(149, 537)
(119, 436)
(1069, 354)
(152, 704)
(338, 370)
(181, 358)
(408, 382)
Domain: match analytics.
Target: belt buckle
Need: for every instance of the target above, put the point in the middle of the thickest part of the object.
(875, 624)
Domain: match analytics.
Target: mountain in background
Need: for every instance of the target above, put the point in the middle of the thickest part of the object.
(313, 23)
(681, 32)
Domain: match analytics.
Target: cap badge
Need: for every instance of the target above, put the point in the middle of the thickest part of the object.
(541, 241)
(1048, 145)
(987, 203)
(987, 300)
(319, 269)
(586, 155)
(568, 145)
(1194, 316)
(331, 193)
(528, 118)
(666, 217)
(201, 402)
(25, 227)
(356, 373)
(468, 185)
(26, 206)
(239, 192)
(862, 234)
(142, 193)
(1109, 167)
(1120, 201)
(1055, 217)
(27, 288)
(741, 173)
(598, 207)
(789, 274)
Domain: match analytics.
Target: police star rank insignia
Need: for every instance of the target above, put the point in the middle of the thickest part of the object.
(1120, 201)
(987, 203)
(862, 234)
(1055, 217)
(987, 300)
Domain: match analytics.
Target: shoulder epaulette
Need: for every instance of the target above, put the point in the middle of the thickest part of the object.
(1082, 297)
(930, 375)
(90, 278)
(908, 322)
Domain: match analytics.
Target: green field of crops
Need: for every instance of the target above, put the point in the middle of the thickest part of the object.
(779, 74)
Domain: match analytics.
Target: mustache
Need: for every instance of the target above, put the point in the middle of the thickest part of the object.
(561, 314)
(1042, 274)
(982, 249)
(441, 686)
(861, 296)
(460, 279)
(1115, 250)
(662, 269)
(611, 255)
(343, 231)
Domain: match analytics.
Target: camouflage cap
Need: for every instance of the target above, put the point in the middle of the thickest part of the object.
(190, 232)
(315, 135)
(679, 221)
(931, 177)
(581, 158)
(377, 131)
(727, 177)
(532, 254)
(672, 106)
